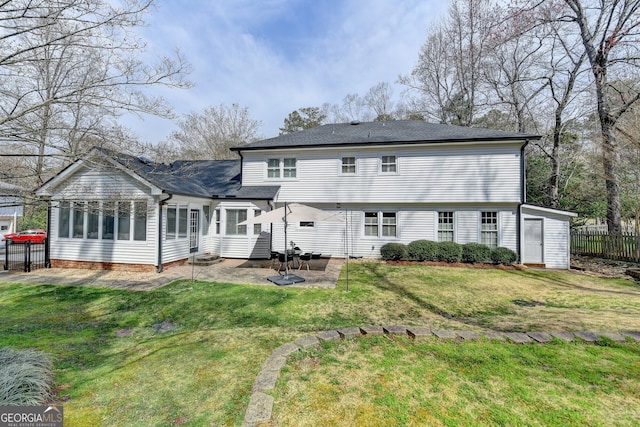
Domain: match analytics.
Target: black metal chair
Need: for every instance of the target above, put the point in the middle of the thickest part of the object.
(304, 260)
(274, 259)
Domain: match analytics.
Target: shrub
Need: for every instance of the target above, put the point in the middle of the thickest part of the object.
(476, 252)
(25, 377)
(393, 251)
(503, 256)
(449, 251)
(423, 250)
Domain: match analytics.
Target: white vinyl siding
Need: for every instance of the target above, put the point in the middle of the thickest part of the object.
(556, 235)
(487, 173)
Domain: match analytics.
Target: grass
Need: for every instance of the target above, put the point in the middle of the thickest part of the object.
(188, 353)
(396, 382)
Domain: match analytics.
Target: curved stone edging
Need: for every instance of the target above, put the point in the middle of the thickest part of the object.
(261, 403)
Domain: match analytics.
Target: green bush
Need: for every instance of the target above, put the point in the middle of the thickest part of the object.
(449, 252)
(393, 251)
(26, 377)
(476, 252)
(423, 250)
(503, 256)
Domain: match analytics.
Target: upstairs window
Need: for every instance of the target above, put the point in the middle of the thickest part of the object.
(388, 164)
(445, 227)
(285, 168)
(489, 229)
(348, 166)
(289, 168)
(273, 168)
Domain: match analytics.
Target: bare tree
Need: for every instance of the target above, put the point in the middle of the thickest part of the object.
(609, 30)
(450, 65)
(210, 134)
(69, 68)
(378, 99)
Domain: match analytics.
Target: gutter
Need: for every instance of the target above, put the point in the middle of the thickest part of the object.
(161, 203)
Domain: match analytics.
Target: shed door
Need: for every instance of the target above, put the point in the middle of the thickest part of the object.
(533, 241)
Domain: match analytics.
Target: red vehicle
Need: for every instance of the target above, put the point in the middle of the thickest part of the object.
(33, 236)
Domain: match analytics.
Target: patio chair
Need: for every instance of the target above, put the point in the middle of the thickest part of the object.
(304, 260)
(274, 259)
(281, 261)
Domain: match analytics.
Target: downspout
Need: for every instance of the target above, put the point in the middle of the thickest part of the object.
(523, 198)
(161, 203)
(47, 247)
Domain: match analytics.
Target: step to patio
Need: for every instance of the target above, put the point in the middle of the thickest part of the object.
(205, 260)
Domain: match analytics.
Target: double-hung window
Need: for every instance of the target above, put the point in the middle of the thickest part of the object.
(257, 228)
(282, 168)
(348, 166)
(63, 219)
(234, 218)
(445, 227)
(489, 229)
(273, 168)
(380, 224)
(388, 164)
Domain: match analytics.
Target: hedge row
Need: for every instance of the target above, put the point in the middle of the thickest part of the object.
(426, 250)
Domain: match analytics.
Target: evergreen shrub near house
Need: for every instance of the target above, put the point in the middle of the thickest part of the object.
(422, 250)
(476, 253)
(26, 377)
(503, 256)
(449, 251)
(393, 251)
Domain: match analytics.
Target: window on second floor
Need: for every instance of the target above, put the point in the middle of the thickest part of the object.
(282, 168)
(388, 164)
(348, 165)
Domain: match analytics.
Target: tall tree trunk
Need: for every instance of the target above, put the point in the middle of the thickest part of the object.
(610, 162)
(554, 178)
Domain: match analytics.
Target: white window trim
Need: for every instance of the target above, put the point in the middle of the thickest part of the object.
(380, 156)
(498, 222)
(357, 162)
(380, 235)
(455, 224)
(281, 176)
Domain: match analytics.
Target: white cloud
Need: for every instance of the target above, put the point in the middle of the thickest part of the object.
(274, 57)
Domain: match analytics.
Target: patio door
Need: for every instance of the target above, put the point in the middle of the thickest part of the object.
(194, 230)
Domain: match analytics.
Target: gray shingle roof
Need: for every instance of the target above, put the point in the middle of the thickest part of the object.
(199, 178)
(382, 133)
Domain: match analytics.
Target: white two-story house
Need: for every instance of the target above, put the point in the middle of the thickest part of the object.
(395, 181)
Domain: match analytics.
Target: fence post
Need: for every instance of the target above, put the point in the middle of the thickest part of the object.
(6, 255)
(27, 257)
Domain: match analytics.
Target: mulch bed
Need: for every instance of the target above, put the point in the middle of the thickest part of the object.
(485, 266)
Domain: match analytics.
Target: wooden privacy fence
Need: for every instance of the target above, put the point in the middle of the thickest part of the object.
(622, 246)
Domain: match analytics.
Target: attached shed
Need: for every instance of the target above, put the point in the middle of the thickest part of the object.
(545, 236)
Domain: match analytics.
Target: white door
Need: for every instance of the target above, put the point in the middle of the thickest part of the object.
(194, 230)
(533, 241)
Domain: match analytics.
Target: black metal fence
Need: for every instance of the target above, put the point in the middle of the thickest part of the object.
(621, 246)
(25, 256)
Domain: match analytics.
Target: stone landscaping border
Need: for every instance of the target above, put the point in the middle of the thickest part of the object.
(261, 402)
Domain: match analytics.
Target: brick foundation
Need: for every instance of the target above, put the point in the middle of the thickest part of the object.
(113, 266)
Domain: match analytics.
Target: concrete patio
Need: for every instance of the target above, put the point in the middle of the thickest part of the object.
(225, 271)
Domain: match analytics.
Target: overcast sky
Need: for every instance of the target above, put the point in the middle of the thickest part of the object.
(275, 56)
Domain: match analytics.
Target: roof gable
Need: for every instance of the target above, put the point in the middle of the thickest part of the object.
(383, 133)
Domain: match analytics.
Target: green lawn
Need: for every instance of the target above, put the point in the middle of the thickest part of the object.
(187, 354)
